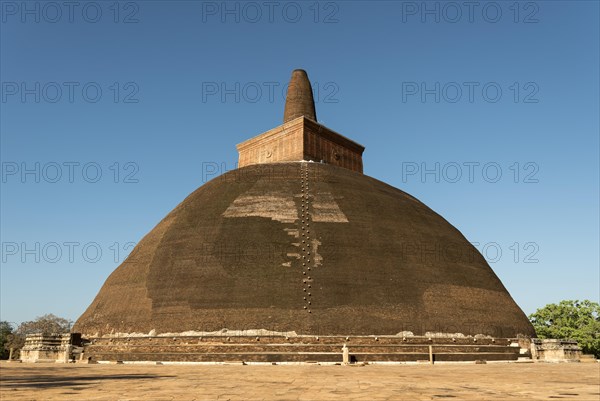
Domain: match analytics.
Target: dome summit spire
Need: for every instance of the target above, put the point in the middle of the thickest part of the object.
(301, 137)
(299, 100)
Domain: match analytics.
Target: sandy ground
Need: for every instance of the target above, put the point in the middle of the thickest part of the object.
(499, 381)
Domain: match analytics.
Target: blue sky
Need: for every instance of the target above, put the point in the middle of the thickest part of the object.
(113, 112)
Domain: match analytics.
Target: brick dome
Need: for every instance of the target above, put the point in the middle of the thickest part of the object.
(309, 248)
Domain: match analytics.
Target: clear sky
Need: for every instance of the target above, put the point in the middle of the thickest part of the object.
(113, 112)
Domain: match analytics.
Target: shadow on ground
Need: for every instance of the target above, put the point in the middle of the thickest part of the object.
(49, 381)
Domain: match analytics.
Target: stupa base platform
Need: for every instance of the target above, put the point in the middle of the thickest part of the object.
(298, 349)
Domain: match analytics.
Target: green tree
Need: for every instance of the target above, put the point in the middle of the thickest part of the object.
(577, 320)
(5, 333)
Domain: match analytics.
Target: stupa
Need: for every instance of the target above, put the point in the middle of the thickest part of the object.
(299, 243)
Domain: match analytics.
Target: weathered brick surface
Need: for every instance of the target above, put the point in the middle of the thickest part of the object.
(389, 265)
(299, 100)
(273, 349)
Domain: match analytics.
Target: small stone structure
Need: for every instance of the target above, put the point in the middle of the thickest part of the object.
(552, 350)
(61, 348)
(345, 355)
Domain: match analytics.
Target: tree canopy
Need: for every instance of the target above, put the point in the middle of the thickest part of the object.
(5, 333)
(15, 339)
(577, 320)
(46, 324)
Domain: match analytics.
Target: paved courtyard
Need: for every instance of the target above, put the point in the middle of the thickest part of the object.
(499, 381)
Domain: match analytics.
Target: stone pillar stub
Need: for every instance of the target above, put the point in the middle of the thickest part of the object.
(299, 100)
